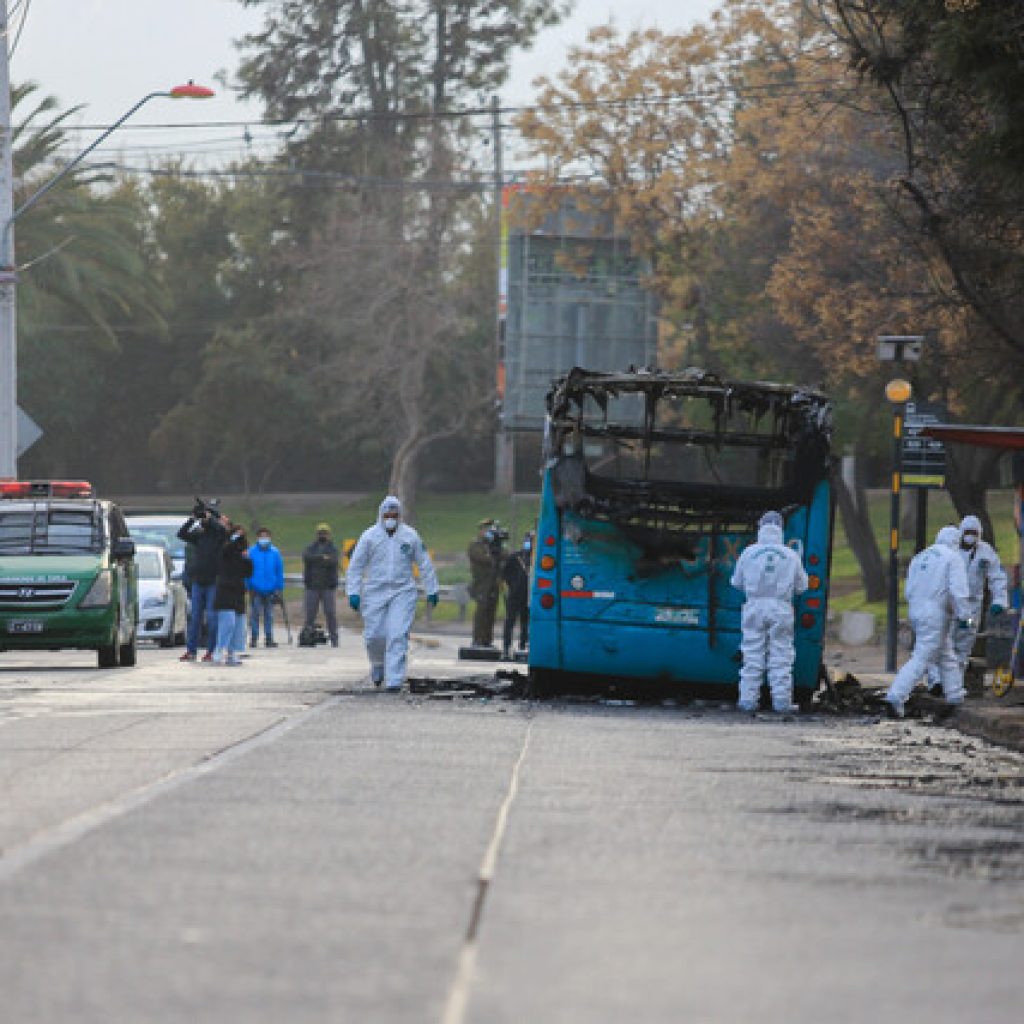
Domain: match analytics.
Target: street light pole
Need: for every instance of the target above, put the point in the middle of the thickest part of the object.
(898, 394)
(8, 346)
(8, 274)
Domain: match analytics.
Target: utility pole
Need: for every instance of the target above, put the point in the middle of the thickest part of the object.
(504, 442)
(8, 313)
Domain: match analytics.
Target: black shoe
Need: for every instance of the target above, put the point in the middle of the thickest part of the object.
(936, 690)
(506, 655)
(269, 643)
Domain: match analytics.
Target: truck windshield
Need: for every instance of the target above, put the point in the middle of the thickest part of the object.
(45, 531)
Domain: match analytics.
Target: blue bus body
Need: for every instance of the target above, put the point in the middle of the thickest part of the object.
(639, 532)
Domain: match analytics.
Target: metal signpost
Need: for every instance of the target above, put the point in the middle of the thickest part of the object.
(923, 460)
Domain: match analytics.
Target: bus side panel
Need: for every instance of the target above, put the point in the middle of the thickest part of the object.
(545, 623)
(814, 525)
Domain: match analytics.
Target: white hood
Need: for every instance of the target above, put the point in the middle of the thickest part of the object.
(948, 535)
(769, 535)
(389, 504)
(970, 523)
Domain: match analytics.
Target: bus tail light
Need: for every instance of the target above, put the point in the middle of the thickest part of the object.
(547, 600)
(813, 559)
(813, 582)
(547, 562)
(807, 620)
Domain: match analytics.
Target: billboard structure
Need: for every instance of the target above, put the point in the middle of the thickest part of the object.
(571, 293)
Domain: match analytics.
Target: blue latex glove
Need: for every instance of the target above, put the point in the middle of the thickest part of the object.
(963, 623)
(353, 602)
(997, 609)
(432, 600)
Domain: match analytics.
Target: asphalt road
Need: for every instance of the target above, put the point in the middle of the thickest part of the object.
(280, 843)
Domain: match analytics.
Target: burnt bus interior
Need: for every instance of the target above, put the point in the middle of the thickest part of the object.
(669, 458)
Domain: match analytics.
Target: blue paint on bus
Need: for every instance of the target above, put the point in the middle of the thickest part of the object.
(631, 571)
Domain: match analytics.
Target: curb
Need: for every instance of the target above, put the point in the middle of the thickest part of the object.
(1001, 725)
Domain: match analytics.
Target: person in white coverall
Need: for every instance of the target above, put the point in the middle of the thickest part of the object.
(380, 585)
(937, 594)
(983, 567)
(769, 574)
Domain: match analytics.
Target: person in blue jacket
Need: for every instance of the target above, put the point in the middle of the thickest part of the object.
(265, 586)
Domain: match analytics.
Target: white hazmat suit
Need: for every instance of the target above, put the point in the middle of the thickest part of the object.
(937, 595)
(380, 577)
(769, 574)
(983, 567)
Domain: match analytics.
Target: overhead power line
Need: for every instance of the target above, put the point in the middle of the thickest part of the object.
(716, 92)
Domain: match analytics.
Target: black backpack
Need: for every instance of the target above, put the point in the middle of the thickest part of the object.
(310, 636)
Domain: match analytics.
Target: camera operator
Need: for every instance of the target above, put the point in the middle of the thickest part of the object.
(486, 559)
(204, 531)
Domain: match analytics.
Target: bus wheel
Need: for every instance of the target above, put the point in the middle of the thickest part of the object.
(804, 699)
(543, 683)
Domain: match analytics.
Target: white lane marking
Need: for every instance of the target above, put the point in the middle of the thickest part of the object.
(458, 994)
(68, 832)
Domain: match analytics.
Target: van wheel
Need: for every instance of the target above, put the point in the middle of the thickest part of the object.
(107, 654)
(128, 652)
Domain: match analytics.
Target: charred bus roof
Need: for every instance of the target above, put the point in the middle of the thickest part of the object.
(685, 446)
(792, 408)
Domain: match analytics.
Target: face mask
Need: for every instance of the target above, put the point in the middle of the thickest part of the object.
(970, 539)
(390, 524)
(264, 542)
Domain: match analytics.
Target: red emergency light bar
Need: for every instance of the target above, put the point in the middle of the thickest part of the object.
(46, 489)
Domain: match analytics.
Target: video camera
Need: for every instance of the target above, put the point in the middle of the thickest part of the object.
(204, 506)
(495, 536)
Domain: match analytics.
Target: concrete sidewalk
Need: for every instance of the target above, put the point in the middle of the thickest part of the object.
(997, 719)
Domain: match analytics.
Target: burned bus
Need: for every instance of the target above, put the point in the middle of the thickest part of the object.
(653, 484)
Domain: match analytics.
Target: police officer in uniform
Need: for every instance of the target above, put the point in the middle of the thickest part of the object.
(485, 564)
(516, 576)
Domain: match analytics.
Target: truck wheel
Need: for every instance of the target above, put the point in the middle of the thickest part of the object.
(128, 652)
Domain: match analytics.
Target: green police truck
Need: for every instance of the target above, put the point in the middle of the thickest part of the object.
(67, 571)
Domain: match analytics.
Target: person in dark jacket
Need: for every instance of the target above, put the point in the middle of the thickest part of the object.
(229, 600)
(265, 586)
(486, 558)
(320, 577)
(515, 574)
(205, 533)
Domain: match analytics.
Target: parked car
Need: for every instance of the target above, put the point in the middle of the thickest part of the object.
(67, 572)
(163, 612)
(160, 529)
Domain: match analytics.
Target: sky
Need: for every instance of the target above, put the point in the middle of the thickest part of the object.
(107, 54)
